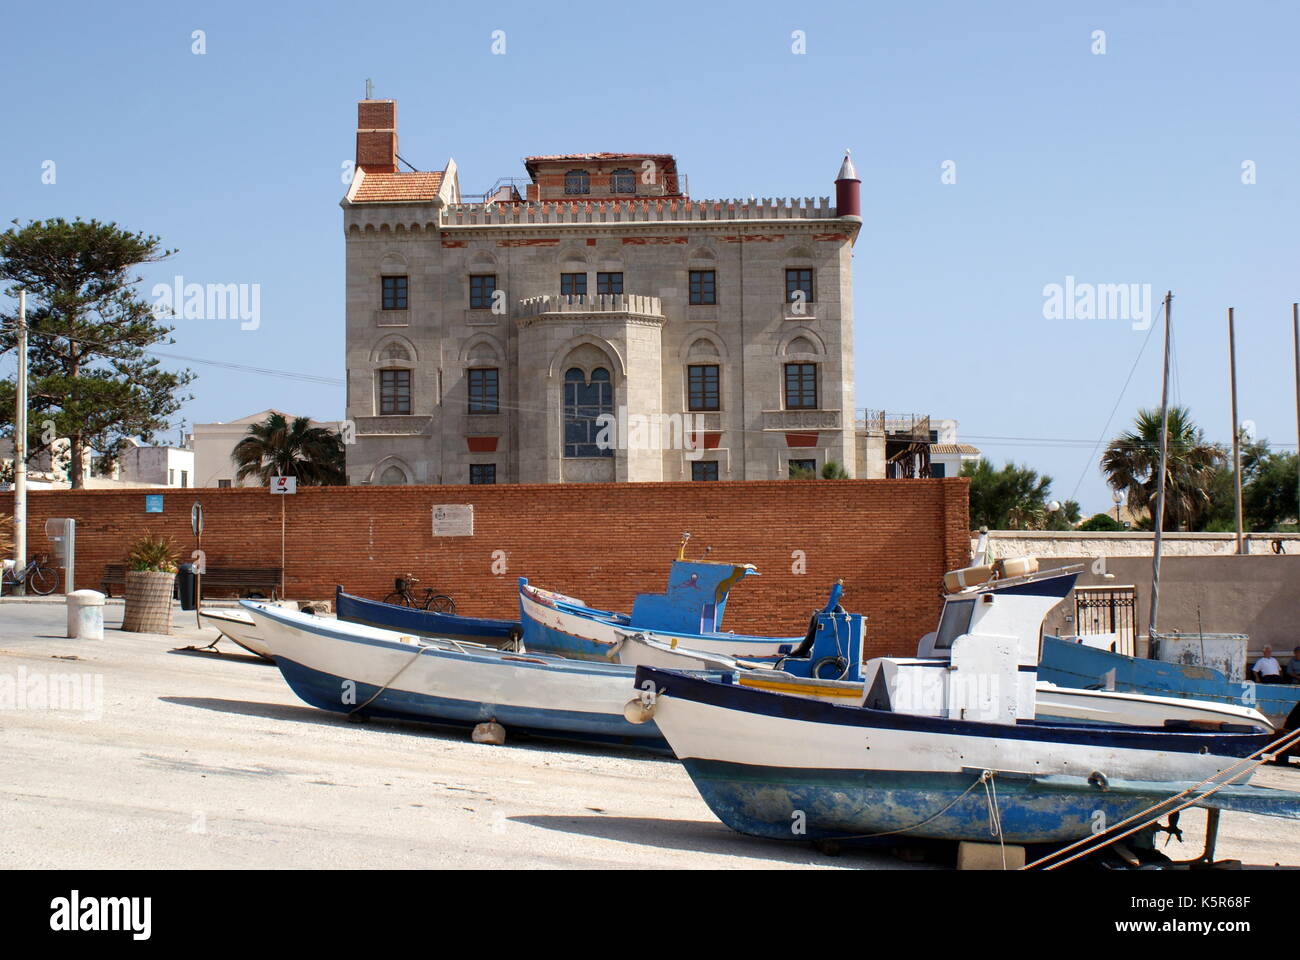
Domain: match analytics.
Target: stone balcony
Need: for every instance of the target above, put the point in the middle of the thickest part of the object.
(596, 306)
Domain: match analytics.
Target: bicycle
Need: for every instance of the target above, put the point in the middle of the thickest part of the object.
(402, 595)
(37, 576)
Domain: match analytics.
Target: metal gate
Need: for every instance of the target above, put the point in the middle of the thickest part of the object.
(1107, 610)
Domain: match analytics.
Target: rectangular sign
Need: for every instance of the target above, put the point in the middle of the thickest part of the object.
(453, 520)
(284, 484)
(153, 503)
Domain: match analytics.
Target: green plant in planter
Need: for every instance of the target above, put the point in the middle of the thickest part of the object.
(153, 554)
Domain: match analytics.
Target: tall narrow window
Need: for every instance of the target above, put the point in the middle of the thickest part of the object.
(573, 284)
(704, 287)
(584, 402)
(394, 391)
(394, 293)
(577, 182)
(483, 390)
(609, 283)
(797, 281)
(482, 473)
(801, 386)
(622, 181)
(702, 387)
(481, 289)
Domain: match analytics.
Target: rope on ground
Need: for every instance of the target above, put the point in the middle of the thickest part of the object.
(1264, 755)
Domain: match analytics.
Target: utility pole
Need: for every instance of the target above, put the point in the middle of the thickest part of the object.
(1295, 339)
(20, 449)
(1160, 483)
(1236, 430)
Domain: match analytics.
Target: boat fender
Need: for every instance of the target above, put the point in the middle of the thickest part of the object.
(490, 732)
(1098, 780)
(839, 663)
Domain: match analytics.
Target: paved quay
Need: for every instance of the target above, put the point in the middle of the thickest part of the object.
(185, 759)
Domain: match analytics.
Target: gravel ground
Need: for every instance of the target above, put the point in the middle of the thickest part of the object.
(209, 760)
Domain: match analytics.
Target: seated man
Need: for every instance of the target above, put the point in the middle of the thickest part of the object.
(1293, 668)
(1267, 669)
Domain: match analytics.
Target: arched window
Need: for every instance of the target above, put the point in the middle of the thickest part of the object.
(584, 402)
(622, 181)
(577, 182)
(394, 351)
(393, 476)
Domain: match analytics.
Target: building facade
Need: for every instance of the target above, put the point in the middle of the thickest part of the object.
(597, 325)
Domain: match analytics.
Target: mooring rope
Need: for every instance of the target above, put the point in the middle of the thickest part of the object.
(391, 681)
(987, 775)
(1264, 754)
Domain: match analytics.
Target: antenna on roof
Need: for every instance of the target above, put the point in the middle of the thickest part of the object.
(370, 89)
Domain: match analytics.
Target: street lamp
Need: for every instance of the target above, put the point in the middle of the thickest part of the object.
(1117, 498)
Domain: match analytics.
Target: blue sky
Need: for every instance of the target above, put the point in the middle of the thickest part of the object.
(1122, 167)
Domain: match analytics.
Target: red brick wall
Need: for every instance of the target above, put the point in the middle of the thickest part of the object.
(890, 540)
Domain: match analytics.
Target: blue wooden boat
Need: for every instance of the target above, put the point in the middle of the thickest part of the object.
(970, 763)
(1070, 664)
(423, 623)
(687, 615)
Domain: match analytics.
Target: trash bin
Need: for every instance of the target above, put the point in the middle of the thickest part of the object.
(185, 586)
(86, 615)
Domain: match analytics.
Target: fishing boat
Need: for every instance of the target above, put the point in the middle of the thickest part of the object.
(1073, 663)
(689, 613)
(1018, 614)
(952, 753)
(359, 670)
(237, 627)
(423, 623)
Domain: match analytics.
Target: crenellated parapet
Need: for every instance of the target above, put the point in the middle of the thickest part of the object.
(638, 211)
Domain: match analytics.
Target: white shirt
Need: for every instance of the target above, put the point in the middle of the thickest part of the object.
(1268, 666)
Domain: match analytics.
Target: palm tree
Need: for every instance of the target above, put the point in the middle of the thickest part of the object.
(1132, 461)
(279, 448)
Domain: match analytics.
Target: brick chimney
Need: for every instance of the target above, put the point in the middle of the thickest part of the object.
(377, 136)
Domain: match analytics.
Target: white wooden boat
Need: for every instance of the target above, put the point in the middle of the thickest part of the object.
(357, 669)
(946, 749)
(237, 627)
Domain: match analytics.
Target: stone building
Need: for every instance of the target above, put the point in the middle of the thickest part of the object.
(597, 325)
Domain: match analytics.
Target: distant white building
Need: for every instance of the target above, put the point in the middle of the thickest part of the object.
(214, 443)
(138, 465)
(156, 466)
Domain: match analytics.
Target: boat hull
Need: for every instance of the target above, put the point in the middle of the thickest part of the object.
(238, 628)
(352, 668)
(423, 623)
(1069, 664)
(766, 763)
(566, 630)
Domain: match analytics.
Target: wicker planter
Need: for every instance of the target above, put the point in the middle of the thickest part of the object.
(148, 601)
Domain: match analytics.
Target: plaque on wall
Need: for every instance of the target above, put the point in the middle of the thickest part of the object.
(453, 520)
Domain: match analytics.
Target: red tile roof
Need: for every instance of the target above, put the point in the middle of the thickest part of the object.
(398, 187)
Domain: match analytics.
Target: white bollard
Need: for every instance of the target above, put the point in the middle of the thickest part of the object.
(86, 615)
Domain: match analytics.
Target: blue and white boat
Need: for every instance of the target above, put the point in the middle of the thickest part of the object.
(423, 623)
(954, 755)
(803, 672)
(352, 668)
(689, 614)
(1070, 663)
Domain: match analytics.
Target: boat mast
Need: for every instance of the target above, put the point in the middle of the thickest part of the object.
(1160, 481)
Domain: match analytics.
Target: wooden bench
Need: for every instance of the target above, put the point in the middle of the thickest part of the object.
(243, 580)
